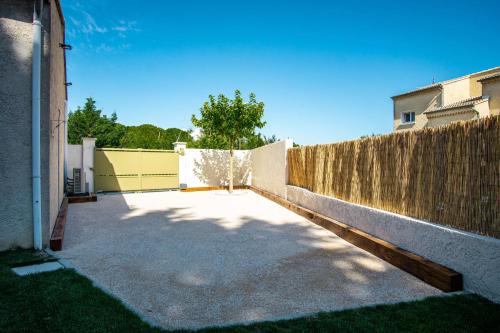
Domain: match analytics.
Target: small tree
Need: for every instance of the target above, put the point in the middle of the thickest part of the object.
(230, 120)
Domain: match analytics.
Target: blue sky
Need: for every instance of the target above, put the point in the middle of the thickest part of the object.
(324, 69)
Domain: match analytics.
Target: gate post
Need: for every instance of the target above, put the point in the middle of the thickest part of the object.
(141, 168)
(180, 148)
(88, 147)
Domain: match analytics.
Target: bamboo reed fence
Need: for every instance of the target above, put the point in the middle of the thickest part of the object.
(448, 175)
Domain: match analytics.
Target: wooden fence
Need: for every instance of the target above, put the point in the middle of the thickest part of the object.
(448, 175)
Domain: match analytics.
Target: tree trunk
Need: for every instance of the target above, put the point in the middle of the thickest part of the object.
(231, 153)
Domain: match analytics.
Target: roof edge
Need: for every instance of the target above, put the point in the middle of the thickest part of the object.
(441, 83)
(489, 77)
(468, 76)
(467, 103)
(418, 90)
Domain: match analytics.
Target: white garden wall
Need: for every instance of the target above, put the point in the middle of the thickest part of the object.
(269, 167)
(210, 167)
(263, 167)
(82, 157)
(74, 158)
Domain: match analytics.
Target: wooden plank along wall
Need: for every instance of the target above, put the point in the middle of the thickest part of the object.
(448, 175)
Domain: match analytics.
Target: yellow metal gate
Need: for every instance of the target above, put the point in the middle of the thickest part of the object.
(135, 169)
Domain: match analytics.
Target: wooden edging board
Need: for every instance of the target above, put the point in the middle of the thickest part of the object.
(428, 271)
(57, 237)
(79, 199)
(213, 188)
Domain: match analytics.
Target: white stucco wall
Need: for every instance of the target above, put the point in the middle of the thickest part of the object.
(210, 167)
(456, 90)
(88, 147)
(74, 158)
(82, 157)
(483, 108)
(476, 257)
(269, 167)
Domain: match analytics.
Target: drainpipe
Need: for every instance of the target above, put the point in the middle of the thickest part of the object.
(65, 144)
(35, 128)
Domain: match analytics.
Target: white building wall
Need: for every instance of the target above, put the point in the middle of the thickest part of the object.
(456, 90)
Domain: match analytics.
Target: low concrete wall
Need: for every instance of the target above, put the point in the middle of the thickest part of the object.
(210, 167)
(74, 158)
(82, 157)
(476, 257)
(269, 167)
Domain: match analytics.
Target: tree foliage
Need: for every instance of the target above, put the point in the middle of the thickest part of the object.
(217, 142)
(224, 122)
(152, 137)
(89, 122)
(208, 142)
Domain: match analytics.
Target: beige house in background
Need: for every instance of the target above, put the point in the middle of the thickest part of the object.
(468, 97)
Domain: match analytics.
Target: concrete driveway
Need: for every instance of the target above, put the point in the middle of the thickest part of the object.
(190, 260)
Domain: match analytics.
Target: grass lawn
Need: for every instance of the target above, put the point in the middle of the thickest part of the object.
(64, 301)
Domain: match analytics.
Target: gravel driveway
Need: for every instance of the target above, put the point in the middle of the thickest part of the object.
(190, 260)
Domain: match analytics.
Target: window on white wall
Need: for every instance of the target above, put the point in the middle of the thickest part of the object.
(408, 117)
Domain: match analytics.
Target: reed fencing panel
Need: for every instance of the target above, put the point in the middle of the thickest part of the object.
(448, 175)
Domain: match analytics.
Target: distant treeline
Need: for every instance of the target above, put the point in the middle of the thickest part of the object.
(88, 121)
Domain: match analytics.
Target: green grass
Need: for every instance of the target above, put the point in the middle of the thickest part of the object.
(23, 258)
(64, 301)
(58, 301)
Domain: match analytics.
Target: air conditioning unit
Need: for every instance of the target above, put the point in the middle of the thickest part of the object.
(77, 180)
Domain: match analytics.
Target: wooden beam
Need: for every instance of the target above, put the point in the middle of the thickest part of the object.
(82, 198)
(57, 237)
(428, 271)
(214, 188)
